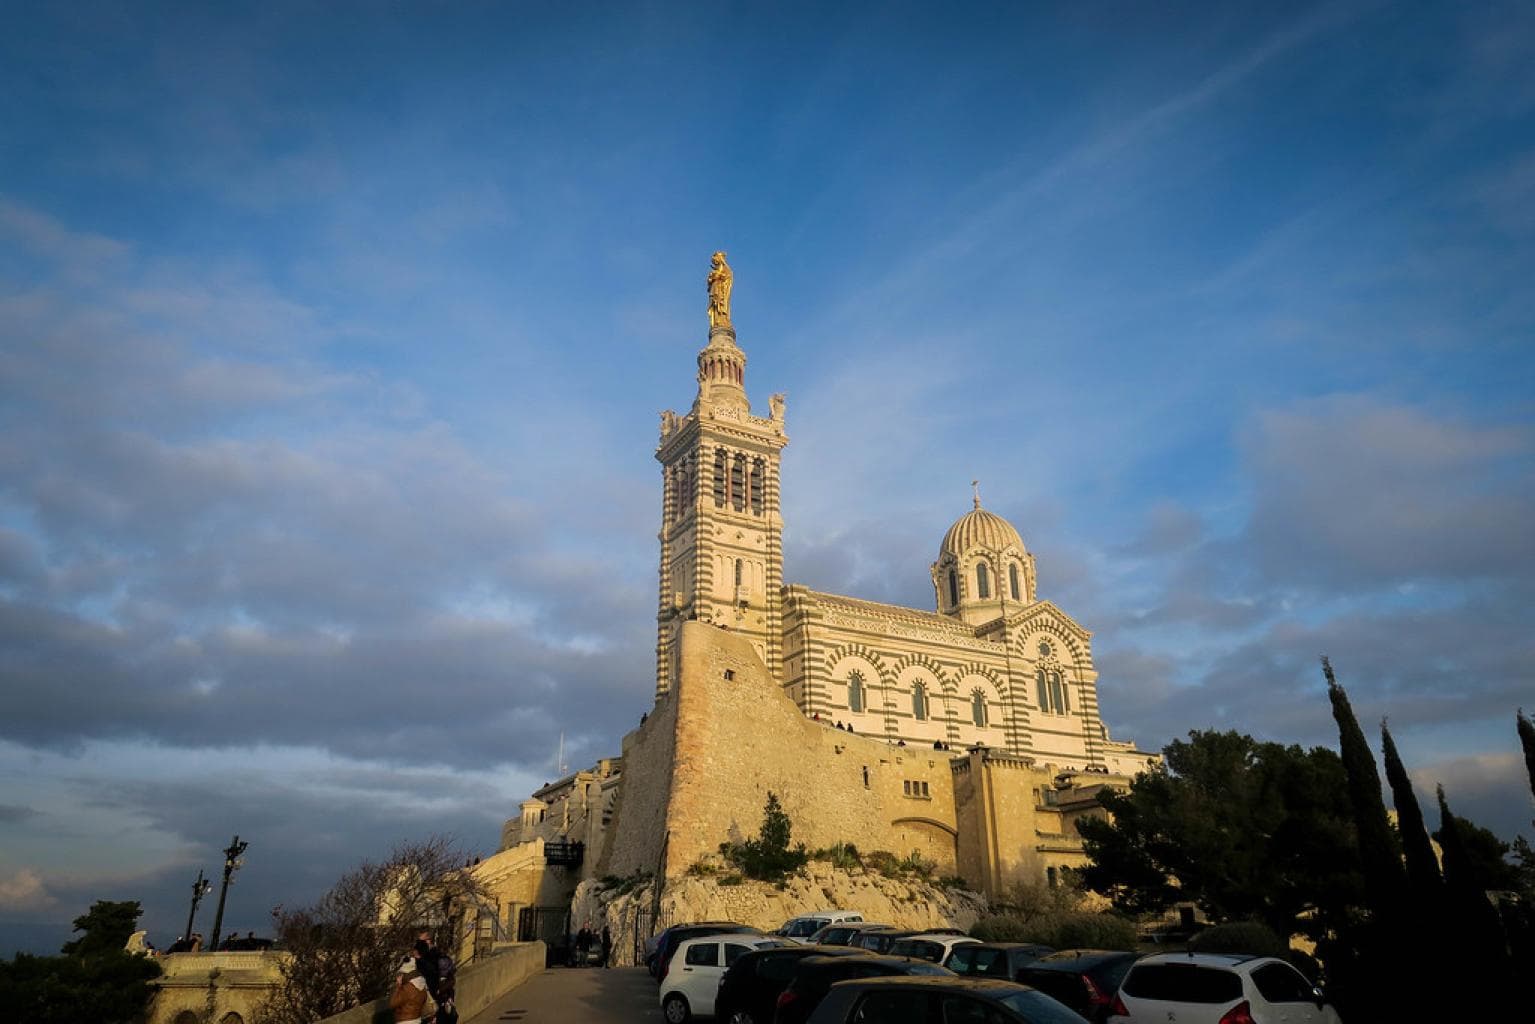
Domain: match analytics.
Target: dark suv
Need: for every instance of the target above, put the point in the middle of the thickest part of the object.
(677, 934)
(1083, 979)
(751, 986)
(815, 975)
(994, 959)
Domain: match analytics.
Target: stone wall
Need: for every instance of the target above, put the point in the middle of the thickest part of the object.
(738, 737)
(478, 985)
(218, 987)
(635, 837)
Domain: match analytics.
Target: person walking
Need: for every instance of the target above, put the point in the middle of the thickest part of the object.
(607, 945)
(408, 1000)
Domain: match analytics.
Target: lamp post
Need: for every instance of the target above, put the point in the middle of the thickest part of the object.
(232, 863)
(199, 890)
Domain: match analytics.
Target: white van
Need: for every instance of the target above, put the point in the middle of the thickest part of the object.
(799, 929)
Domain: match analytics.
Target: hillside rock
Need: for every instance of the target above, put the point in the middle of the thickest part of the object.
(907, 902)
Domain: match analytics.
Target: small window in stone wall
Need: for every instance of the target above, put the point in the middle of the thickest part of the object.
(982, 582)
(865, 776)
(1012, 579)
(855, 691)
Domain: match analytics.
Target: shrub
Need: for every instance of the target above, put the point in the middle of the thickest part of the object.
(954, 882)
(731, 879)
(884, 862)
(703, 869)
(916, 865)
(1062, 929)
(843, 856)
(1248, 937)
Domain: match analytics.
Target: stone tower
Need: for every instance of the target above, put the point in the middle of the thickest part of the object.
(721, 531)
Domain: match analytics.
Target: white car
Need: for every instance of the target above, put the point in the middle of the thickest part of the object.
(690, 986)
(933, 946)
(799, 929)
(1210, 988)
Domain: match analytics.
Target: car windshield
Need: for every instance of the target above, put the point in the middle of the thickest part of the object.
(927, 968)
(1183, 983)
(805, 926)
(1039, 1008)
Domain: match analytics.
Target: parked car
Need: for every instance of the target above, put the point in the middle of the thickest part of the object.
(751, 986)
(931, 946)
(948, 999)
(994, 959)
(1083, 979)
(801, 928)
(815, 975)
(843, 934)
(1207, 988)
(880, 942)
(698, 965)
(680, 933)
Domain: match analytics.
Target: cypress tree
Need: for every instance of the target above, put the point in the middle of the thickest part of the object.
(1476, 925)
(1381, 856)
(1422, 866)
(1527, 740)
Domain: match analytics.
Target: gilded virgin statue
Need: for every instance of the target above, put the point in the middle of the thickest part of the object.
(720, 281)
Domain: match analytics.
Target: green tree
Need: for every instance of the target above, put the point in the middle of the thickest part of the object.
(1475, 925)
(95, 980)
(1379, 852)
(1422, 866)
(1485, 856)
(1247, 830)
(1527, 741)
(769, 857)
(106, 927)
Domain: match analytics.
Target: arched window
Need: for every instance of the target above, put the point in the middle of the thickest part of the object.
(855, 691)
(738, 572)
(978, 709)
(1012, 580)
(1054, 697)
(738, 483)
(719, 478)
(759, 470)
(919, 702)
(1051, 878)
(953, 588)
(982, 582)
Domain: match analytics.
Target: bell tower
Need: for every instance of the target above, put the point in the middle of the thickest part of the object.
(721, 532)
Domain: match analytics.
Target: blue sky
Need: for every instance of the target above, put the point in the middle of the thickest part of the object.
(333, 337)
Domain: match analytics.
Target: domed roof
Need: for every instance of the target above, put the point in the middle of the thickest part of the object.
(979, 528)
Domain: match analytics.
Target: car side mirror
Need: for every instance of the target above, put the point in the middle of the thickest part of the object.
(1319, 998)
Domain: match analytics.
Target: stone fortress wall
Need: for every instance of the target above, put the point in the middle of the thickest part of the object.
(699, 770)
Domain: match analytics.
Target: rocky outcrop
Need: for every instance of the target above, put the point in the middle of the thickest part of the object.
(629, 909)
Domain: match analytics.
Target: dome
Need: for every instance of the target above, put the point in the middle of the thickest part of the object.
(979, 528)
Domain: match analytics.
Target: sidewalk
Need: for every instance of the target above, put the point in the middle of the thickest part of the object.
(577, 995)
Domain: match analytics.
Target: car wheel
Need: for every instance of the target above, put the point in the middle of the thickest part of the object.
(742, 1017)
(676, 1009)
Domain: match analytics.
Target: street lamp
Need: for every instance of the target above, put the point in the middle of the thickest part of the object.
(232, 863)
(199, 890)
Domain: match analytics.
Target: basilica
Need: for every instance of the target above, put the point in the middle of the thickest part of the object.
(968, 734)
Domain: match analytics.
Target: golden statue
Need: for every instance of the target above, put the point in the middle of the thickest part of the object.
(720, 281)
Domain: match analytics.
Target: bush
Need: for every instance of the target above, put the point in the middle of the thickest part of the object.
(1062, 929)
(884, 862)
(843, 856)
(954, 882)
(1249, 937)
(916, 865)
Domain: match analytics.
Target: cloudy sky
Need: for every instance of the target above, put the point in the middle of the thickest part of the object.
(333, 338)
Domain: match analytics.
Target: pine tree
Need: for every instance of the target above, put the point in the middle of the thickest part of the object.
(1422, 866)
(1527, 740)
(1379, 852)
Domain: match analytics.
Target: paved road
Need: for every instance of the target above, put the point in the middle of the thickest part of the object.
(577, 995)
